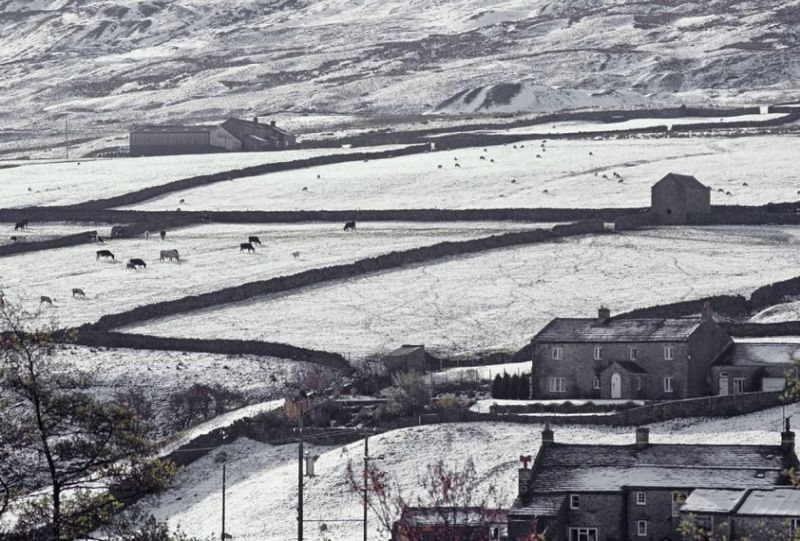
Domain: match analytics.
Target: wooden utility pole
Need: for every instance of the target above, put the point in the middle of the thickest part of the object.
(366, 484)
(222, 537)
(300, 481)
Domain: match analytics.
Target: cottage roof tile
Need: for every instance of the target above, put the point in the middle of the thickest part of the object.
(619, 330)
(687, 181)
(704, 500)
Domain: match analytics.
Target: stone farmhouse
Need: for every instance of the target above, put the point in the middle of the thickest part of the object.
(233, 135)
(639, 492)
(638, 359)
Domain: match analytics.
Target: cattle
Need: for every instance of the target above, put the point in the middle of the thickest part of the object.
(130, 265)
(744, 184)
(137, 263)
(44, 299)
(182, 201)
(254, 240)
(78, 292)
(295, 254)
(21, 225)
(513, 181)
(318, 176)
(538, 155)
(483, 157)
(491, 160)
(350, 226)
(162, 234)
(169, 255)
(545, 191)
(620, 181)
(591, 153)
(305, 189)
(439, 166)
(246, 246)
(147, 235)
(515, 146)
(104, 254)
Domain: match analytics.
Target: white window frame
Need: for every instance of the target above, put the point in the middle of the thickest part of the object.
(583, 534)
(678, 499)
(641, 528)
(641, 498)
(633, 353)
(795, 525)
(669, 353)
(596, 383)
(574, 501)
(557, 353)
(668, 387)
(598, 353)
(738, 385)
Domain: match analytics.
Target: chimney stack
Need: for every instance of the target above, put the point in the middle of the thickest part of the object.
(708, 312)
(603, 315)
(642, 437)
(547, 435)
(787, 438)
(525, 475)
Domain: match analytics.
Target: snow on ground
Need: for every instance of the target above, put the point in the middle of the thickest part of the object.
(262, 479)
(160, 374)
(569, 173)
(49, 230)
(786, 311)
(480, 373)
(49, 182)
(497, 300)
(210, 260)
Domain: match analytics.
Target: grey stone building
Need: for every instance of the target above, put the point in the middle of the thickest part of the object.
(647, 358)
(676, 199)
(750, 367)
(406, 358)
(633, 492)
(771, 514)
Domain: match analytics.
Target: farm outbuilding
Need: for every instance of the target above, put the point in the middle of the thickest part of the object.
(406, 358)
(232, 135)
(676, 199)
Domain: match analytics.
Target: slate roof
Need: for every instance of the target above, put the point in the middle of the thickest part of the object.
(236, 122)
(404, 350)
(705, 500)
(687, 181)
(778, 502)
(175, 129)
(619, 330)
(542, 505)
(609, 468)
(755, 354)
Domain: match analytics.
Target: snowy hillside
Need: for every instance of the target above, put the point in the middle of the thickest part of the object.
(262, 490)
(108, 64)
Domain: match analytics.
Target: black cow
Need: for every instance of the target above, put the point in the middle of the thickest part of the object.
(104, 253)
(254, 240)
(44, 299)
(78, 292)
(163, 235)
(137, 263)
(246, 246)
(350, 226)
(21, 225)
(130, 265)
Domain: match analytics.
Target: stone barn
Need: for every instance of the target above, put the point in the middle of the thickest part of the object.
(677, 199)
(406, 358)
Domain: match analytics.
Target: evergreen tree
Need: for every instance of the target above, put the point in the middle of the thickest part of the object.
(497, 387)
(506, 385)
(513, 390)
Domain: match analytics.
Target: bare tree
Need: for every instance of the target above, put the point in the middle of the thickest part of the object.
(55, 434)
(455, 502)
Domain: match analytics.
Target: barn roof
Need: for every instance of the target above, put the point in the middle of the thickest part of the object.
(237, 122)
(175, 129)
(619, 330)
(609, 468)
(687, 181)
(717, 500)
(777, 502)
(405, 349)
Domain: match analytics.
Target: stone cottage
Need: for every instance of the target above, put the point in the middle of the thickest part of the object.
(676, 199)
(576, 492)
(645, 358)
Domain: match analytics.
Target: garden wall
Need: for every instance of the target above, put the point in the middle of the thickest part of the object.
(87, 237)
(761, 330)
(388, 261)
(734, 306)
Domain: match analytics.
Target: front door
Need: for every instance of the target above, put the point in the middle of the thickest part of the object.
(723, 385)
(616, 386)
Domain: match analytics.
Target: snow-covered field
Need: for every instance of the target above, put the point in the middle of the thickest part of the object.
(210, 260)
(568, 173)
(480, 373)
(160, 374)
(48, 183)
(786, 311)
(49, 230)
(499, 299)
(262, 479)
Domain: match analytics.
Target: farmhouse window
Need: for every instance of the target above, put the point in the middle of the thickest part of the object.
(558, 354)
(641, 498)
(596, 383)
(738, 385)
(558, 385)
(634, 353)
(641, 528)
(795, 527)
(678, 498)
(574, 501)
(668, 384)
(598, 353)
(583, 534)
(668, 353)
